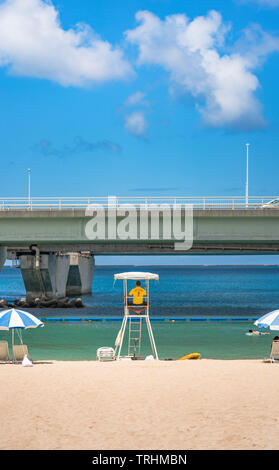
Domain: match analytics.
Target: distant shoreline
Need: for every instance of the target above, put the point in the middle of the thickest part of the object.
(186, 265)
(178, 266)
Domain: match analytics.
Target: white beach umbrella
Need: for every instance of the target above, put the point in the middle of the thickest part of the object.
(270, 320)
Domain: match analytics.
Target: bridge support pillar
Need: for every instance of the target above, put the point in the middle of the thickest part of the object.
(44, 275)
(81, 273)
(3, 256)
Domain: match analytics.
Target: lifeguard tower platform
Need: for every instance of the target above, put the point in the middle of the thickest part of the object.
(135, 315)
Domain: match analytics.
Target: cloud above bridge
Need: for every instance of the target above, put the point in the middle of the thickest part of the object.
(137, 99)
(33, 43)
(197, 55)
(220, 79)
(78, 147)
(158, 189)
(136, 124)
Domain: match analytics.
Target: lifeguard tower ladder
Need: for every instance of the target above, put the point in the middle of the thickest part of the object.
(135, 320)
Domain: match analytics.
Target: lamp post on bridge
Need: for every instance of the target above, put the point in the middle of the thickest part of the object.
(29, 187)
(247, 175)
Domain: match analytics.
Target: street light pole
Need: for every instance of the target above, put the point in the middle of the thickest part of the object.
(247, 175)
(29, 187)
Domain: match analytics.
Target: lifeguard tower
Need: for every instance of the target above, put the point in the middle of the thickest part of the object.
(135, 315)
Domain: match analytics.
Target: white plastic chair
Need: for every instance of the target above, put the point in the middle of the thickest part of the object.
(105, 353)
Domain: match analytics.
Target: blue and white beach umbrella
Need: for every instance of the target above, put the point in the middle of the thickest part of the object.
(18, 320)
(13, 318)
(270, 320)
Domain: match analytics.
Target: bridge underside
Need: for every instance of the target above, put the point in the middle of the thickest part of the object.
(156, 248)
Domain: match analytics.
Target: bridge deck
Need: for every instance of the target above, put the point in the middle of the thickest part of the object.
(215, 230)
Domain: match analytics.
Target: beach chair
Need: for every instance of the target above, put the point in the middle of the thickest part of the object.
(274, 353)
(105, 354)
(19, 351)
(4, 351)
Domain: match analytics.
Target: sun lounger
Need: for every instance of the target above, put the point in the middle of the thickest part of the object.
(19, 351)
(274, 352)
(105, 354)
(4, 351)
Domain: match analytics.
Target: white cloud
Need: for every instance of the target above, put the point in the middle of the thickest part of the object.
(223, 85)
(136, 124)
(33, 43)
(137, 98)
(255, 45)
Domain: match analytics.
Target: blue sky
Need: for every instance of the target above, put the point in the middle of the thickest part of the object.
(130, 98)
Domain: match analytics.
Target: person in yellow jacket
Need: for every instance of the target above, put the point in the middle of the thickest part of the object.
(139, 297)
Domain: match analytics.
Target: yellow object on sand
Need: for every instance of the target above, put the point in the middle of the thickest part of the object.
(190, 356)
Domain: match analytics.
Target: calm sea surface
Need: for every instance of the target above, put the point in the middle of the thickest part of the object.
(194, 292)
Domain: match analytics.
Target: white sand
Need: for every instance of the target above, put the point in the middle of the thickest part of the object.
(204, 404)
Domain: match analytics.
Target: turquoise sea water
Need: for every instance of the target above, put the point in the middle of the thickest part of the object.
(192, 292)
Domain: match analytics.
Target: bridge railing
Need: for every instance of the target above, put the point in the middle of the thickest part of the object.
(72, 203)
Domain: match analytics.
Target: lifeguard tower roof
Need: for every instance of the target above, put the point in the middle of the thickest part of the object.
(136, 276)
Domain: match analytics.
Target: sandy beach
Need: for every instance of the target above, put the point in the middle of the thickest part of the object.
(203, 404)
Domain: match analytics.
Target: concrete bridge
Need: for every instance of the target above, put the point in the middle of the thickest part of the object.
(57, 257)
